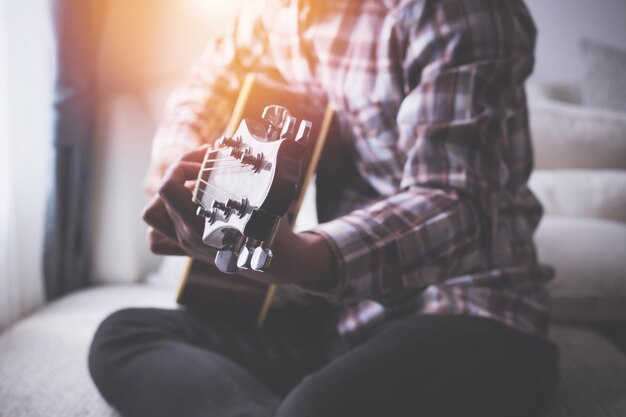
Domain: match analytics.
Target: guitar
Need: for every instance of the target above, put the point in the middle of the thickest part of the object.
(256, 173)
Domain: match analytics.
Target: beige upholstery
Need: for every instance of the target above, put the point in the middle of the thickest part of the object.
(43, 369)
(567, 136)
(598, 194)
(592, 376)
(43, 358)
(589, 256)
(580, 178)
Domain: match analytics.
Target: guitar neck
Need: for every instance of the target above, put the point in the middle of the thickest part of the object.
(204, 288)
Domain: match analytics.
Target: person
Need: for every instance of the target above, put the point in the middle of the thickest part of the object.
(424, 249)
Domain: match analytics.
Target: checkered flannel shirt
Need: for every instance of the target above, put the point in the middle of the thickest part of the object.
(431, 213)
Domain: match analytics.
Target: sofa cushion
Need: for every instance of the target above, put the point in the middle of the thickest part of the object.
(559, 92)
(592, 378)
(43, 358)
(43, 369)
(577, 137)
(588, 193)
(589, 256)
(604, 81)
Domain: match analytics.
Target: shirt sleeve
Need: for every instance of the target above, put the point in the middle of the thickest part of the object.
(463, 66)
(198, 111)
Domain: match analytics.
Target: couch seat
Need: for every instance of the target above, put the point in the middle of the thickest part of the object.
(43, 369)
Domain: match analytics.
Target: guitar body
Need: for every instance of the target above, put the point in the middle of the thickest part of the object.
(203, 286)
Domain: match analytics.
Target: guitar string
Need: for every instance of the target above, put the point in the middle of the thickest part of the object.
(214, 168)
(205, 160)
(215, 150)
(229, 158)
(224, 167)
(215, 187)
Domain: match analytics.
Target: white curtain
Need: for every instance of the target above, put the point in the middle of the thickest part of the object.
(26, 80)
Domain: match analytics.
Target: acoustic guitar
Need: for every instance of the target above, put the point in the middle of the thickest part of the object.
(256, 173)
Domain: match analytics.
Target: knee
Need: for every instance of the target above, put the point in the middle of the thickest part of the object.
(114, 339)
(118, 325)
(318, 396)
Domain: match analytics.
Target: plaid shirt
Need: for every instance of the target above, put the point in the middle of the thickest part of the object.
(431, 211)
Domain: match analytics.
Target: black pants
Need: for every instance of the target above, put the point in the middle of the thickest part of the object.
(152, 362)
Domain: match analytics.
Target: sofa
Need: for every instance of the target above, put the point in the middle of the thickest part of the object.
(580, 178)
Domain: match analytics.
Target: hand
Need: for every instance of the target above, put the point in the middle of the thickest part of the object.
(159, 165)
(299, 257)
(168, 146)
(177, 230)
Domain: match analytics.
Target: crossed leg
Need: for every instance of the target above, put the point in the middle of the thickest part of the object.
(151, 362)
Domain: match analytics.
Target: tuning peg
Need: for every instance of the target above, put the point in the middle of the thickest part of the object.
(261, 258)
(275, 116)
(210, 215)
(245, 256)
(222, 207)
(231, 142)
(226, 261)
(255, 161)
(288, 128)
(240, 207)
(304, 130)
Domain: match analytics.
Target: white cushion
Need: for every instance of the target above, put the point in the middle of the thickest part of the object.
(592, 375)
(589, 256)
(589, 193)
(604, 83)
(43, 358)
(574, 136)
(541, 92)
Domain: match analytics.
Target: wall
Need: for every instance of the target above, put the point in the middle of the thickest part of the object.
(562, 23)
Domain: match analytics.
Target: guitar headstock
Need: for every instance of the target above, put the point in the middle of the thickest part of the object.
(247, 183)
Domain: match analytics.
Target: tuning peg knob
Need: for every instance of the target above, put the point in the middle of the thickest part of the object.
(261, 258)
(245, 256)
(304, 130)
(226, 261)
(288, 128)
(275, 116)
